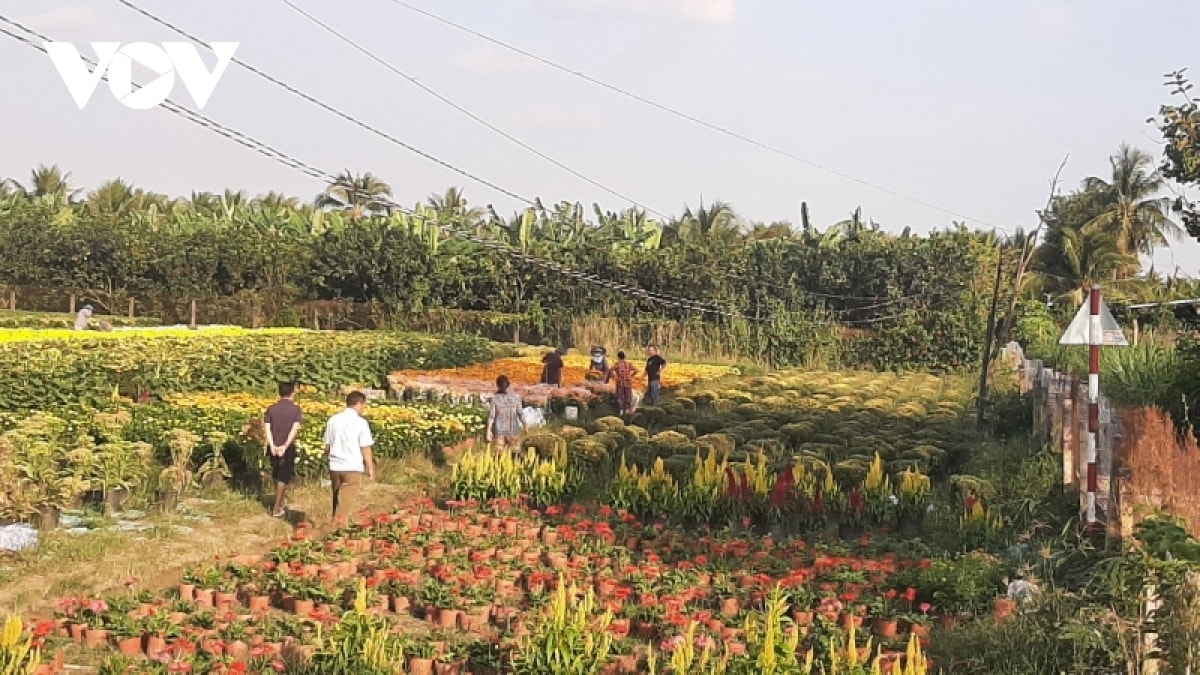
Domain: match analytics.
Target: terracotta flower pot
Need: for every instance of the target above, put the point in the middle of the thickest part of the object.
(1002, 608)
(154, 645)
(401, 604)
(205, 599)
(95, 638)
(259, 603)
(303, 607)
(730, 607)
(187, 592)
(130, 647)
(886, 628)
(802, 618)
(420, 666)
(919, 629)
(447, 619)
(77, 631)
(846, 619)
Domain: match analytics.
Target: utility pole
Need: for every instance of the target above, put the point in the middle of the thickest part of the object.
(981, 404)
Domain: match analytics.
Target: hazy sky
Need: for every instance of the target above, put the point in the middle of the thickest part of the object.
(966, 104)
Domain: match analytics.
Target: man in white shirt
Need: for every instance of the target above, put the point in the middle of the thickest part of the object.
(348, 444)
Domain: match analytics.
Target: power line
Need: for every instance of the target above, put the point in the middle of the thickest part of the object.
(335, 111)
(686, 116)
(314, 172)
(690, 304)
(287, 160)
(429, 90)
(432, 92)
(274, 80)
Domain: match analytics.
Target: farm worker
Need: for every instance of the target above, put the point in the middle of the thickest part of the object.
(552, 370)
(82, 318)
(282, 424)
(598, 369)
(623, 372)
(655, 365)
(505, 421)
(348, 444)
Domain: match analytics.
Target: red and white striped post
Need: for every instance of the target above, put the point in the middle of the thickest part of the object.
(1095, 338)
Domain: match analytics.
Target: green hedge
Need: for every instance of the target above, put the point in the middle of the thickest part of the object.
(93, 370)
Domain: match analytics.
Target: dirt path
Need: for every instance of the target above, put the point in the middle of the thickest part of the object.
(156, 559)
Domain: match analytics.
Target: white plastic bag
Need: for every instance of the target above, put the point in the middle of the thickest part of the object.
(533, 417)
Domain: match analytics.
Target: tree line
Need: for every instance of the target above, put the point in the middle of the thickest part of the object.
(782, 287)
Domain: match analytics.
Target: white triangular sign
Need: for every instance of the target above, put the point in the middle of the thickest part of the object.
(1078, 333)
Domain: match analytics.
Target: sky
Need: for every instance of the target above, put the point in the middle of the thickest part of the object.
(962, 106)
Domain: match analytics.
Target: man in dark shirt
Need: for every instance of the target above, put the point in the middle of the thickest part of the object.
(655, 365)
(552, 371)
(282, 424)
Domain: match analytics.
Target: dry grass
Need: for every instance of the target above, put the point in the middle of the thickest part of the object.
(65, 564)
(696, 344)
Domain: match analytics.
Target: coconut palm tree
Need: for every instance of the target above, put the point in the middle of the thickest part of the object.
(360, 194)
(49, 182)
(114, 196)
(453, 206)
(1131, 211)
(1084, 258)
(717, 222)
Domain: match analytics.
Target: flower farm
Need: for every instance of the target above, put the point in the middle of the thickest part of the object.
(795, 522)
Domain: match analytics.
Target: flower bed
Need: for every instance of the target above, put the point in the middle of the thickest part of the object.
(500, 588)
(478, 382)
(91, 368)
(399, 429)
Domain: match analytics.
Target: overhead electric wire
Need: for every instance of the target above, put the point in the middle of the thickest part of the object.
(287, 160)
(291, 162)
(432, 92)
(687, 116)
(184, 33)
(687, 303)
(429, 90)
(346, 116)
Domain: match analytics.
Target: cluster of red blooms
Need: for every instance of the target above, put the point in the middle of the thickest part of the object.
(736, 490)
(785, 482)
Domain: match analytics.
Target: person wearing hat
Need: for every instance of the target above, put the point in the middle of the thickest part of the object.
(83, 317)
(598, 368)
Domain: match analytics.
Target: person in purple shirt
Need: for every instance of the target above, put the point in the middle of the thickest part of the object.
(282, 425)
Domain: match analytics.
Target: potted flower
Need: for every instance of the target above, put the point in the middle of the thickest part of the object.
(484, 657)
(177, 476)
(854, 515)
(877, 489)
(915, 495)
(882, 609)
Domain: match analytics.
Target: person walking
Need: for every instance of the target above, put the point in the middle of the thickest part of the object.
(505, 421)
(282, 425)
(655, 365)
(623, 372)
(348, 444)
(553, 368)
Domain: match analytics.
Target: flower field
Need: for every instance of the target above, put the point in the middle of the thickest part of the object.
(399, 430)
(8, 335)
(40, 369)
(478, 381)
(496, 587)
(796, 522)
